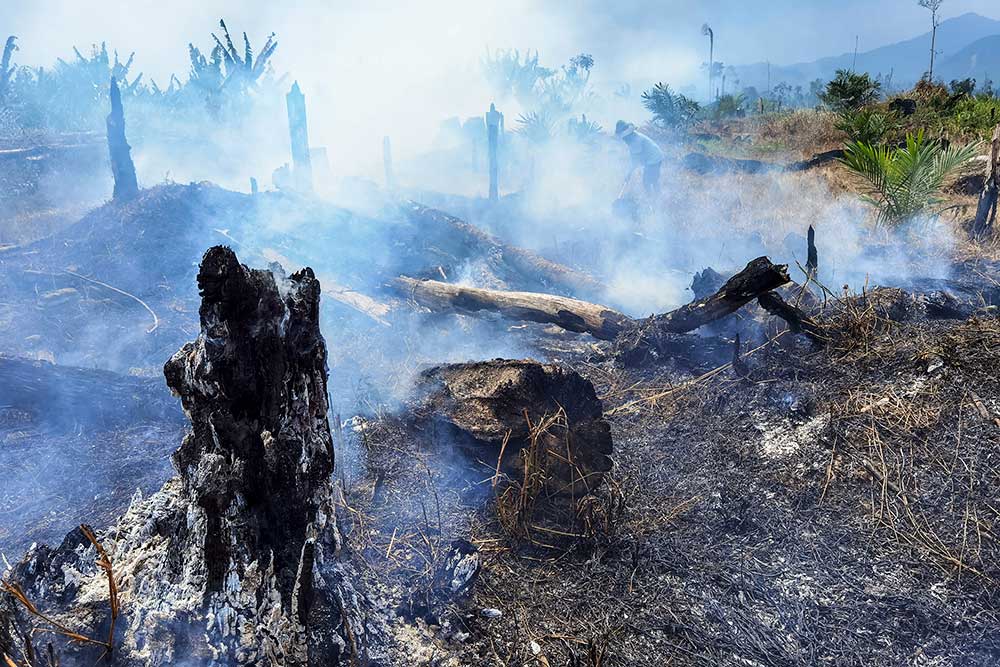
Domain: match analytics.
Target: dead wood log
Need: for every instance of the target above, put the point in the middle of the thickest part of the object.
(570, 314)
(798, 321)
(758, 277)
(986, 211)
(532, 266)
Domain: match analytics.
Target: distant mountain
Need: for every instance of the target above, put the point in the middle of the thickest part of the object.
(977, 60)
(906, 60)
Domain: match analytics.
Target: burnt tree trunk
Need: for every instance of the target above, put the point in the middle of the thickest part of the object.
(570, 314)
(126, 185)
(986, 211)
(758, 277)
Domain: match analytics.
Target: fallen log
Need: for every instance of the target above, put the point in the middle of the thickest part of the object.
(758, 277)
(530, 265)
(570, 314)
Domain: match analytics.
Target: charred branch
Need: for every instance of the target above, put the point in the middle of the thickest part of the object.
(758, 277)
(798, 321)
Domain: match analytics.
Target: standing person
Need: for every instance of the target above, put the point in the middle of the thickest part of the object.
(644, 153)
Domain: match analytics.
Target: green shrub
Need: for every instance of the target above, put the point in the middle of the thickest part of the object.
(902, 183)
(730, 106)
(974, 116)
(850, 90)
(669, 109)
(868, 125)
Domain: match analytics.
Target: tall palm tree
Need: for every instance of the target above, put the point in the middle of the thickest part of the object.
(707, 31)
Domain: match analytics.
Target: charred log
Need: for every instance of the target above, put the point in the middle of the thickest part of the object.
(68, 395)
(758, 277)
(570, 314)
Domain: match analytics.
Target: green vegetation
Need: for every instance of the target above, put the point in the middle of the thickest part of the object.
(669, 109)
(903, 183)
(867, 125)
(73, 94)
(549, 91)
(850, 90)
(583, 130)
(730, 106)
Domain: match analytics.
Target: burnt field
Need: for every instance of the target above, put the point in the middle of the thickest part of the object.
(730, 488)
(490, 407)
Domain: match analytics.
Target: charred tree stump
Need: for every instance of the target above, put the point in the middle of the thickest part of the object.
(986, 211)
(122, 168)
(236, 560)
(812, 257)
(390, 179)
(570, 314)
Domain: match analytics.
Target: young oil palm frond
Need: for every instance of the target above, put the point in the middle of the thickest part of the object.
(536, 127)
(905, 182)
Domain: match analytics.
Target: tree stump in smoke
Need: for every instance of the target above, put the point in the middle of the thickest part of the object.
(122, 168)
(511, 405)
(298, 131)
(986, 211)
(235, 560)
(493, 118)
(812, 256)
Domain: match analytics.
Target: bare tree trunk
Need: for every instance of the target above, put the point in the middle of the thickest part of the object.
(986, 212)
(126, 185)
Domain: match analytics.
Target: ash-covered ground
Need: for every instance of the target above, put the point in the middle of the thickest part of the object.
(800, 503)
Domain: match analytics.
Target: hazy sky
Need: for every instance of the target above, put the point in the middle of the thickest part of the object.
(624, 32)
(370, 67)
